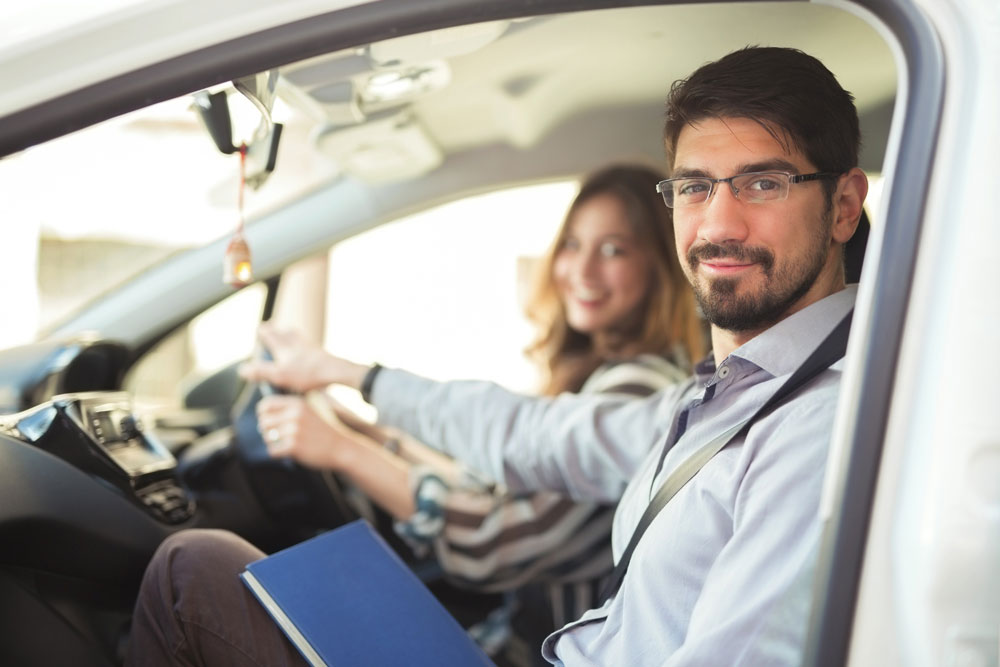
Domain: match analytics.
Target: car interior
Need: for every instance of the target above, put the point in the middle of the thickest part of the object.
(113, 434)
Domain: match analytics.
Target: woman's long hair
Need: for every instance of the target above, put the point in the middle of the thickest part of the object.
(668, 322)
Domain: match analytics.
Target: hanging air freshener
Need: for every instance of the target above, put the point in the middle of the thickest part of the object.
(238, 271)
(237, 268)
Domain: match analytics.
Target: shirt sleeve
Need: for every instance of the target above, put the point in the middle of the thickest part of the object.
(583, 446)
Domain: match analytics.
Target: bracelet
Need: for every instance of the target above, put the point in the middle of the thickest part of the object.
(368, 380)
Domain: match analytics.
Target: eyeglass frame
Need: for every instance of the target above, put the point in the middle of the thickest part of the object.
(792, 180)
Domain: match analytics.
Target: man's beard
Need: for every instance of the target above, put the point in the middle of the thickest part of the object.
(783, 286)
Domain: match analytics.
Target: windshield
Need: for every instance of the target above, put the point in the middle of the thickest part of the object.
(91, 210)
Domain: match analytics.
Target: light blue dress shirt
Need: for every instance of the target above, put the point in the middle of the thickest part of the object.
(720, 577)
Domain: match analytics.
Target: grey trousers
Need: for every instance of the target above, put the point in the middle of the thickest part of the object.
(194, 610)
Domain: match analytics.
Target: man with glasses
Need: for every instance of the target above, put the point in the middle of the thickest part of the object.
(765, 190)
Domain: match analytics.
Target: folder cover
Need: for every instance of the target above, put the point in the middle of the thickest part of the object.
(345, 598)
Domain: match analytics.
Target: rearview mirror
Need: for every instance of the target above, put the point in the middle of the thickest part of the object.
(262, 144)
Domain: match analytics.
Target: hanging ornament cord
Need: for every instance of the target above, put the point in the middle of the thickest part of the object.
(238, 270)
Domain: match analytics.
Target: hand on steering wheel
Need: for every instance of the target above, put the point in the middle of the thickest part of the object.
(297, 364)
(298, 497)
(306, 429)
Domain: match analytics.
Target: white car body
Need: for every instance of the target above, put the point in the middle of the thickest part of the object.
(912, 502)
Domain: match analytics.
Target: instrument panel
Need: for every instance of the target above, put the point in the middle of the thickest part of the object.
(99, 433)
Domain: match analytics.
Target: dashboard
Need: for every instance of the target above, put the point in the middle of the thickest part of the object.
(32, 374)
(99, 434)
(64, 398)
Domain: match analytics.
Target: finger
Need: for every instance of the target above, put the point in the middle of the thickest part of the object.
(269, 416)
(257, 370)
(284, 403)
(279, 448)
(278, 435)
(247, 370)
(269, 405)
(272, 337)
(266, 333)
(269, 426)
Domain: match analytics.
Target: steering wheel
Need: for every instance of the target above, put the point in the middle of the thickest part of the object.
(293, 495)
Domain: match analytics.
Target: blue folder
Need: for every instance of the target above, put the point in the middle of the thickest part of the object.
(344, 598)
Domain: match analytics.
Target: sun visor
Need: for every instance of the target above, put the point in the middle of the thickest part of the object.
(390, 149)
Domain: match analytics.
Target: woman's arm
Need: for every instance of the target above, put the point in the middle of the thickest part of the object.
(585, 446)
(407, 448)
(493, 539)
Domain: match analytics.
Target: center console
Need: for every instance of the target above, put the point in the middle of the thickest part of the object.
(99, 433)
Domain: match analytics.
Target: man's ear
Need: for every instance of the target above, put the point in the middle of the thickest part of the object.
(847, 202)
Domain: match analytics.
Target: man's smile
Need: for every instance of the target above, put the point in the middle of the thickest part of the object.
(728, 259)
(723, 267)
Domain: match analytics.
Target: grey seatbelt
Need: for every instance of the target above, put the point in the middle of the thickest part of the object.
(826, 353)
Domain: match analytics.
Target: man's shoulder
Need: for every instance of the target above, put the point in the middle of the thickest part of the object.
(804, 420)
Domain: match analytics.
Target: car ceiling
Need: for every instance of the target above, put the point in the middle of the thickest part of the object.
(513, 82)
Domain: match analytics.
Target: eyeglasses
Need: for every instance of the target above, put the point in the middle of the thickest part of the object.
(755, 187)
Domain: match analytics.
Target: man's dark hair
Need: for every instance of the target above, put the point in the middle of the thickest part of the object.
(793, 95)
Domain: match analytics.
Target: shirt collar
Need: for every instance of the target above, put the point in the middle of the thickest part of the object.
(782, 348)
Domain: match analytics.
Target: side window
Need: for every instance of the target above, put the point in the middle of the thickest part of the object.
(215, 339)
(441, 293)
(873, 202)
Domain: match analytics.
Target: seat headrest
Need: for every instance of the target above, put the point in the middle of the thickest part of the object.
(854, 250)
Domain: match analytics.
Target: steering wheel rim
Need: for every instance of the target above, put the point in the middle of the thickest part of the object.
(290, 493)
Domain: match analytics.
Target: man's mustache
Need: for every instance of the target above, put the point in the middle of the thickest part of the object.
(737, 252)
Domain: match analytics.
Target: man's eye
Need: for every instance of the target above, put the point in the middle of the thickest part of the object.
(692, 188)
(764, 183)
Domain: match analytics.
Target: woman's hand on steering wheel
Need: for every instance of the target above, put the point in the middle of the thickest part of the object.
(306, 429)
(299, 365)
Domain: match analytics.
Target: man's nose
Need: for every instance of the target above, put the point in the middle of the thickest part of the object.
(721, 218)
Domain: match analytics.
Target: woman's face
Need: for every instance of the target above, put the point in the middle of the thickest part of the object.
(601, 273)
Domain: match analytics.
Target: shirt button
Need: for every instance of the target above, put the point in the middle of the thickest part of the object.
(723, 372)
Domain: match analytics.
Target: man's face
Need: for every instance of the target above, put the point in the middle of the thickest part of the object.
(751, 265)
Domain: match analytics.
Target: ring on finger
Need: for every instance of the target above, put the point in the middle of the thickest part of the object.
(273, 435)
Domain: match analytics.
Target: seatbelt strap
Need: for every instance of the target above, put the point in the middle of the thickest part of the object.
(833, 347)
